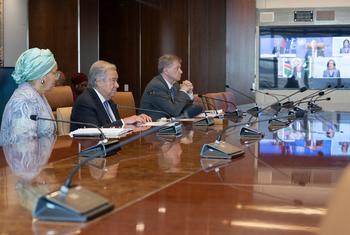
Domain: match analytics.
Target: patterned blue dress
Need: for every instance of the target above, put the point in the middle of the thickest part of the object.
(16, 123)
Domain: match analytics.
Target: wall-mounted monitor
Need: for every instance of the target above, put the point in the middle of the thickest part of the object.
(291, 57)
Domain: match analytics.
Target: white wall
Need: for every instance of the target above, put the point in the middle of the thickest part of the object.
(301, 3)
(15, 30)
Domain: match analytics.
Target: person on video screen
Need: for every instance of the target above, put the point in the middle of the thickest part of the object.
(331, 71)
(299, 73)
(279, 46)
(314, 49)
(345, 49)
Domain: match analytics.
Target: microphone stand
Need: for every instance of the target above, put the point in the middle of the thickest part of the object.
(224, 150)
(143, 109)
(76, 204)
(236, 113)
(98, 149)
(252, 111)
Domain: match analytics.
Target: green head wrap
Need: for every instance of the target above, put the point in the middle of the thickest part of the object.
(33, 64)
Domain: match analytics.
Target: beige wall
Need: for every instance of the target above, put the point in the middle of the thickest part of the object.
(15, 30)
(301, 3)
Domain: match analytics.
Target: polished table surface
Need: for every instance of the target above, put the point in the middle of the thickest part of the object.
(160, 185)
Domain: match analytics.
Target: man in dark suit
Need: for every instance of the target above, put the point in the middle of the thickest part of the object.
(94, 105)
(165, 94)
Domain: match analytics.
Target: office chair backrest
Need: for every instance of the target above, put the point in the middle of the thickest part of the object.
(227, 104)
(125, 98)
(64, 114)
(60, 96)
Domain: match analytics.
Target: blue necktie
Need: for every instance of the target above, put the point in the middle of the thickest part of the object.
(172, 93)
(108, 110)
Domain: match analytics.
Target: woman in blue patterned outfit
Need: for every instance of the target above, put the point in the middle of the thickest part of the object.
(36, 73)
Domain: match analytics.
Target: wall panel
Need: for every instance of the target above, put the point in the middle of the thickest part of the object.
(119, 40)
(240, 41)
(53, 25)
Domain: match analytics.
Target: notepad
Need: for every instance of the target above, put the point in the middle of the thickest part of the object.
(94, 132)
(211, 113)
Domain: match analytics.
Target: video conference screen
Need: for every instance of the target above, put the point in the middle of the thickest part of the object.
(311, 56)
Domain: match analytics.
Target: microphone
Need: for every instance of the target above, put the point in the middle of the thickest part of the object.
(236, 113)
(36, 118)
(143, 109)
(221, 149)
(206, 121)
(241, 93)
(76, 204)
(275, 105)
(99, 148)
(251, 111)
(209, 104)
(320, 92)
(313, 107)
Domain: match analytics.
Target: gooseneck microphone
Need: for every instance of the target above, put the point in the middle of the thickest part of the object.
(285, 98)
(277, 105)
(143, 109)
(76, 204)
(241, 93)
(251, 111)
(317, 93)
(221, 149)
(237, 112)
(104, 139)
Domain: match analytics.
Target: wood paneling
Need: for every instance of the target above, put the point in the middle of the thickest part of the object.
(207, 45)
(192, 29)
(214, 38)
(150, 40)
(88, 34)
(53, 25)
(119, 40)
(241, 46)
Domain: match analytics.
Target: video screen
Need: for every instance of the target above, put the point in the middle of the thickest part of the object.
(312, 57)
(326, 135)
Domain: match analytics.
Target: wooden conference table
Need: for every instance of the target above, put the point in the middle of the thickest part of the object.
(160, 185)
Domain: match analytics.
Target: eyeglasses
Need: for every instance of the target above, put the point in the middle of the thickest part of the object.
(57, 75)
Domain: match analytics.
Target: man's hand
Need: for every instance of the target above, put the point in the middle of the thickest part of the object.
(142, 118)
(186, 86)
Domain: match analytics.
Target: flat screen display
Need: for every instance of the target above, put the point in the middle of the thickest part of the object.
(297, 56)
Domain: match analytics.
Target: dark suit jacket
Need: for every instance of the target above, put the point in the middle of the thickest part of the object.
(303, 77)
(157, 96)
(319, 52)
(291, 83)
(89, 108)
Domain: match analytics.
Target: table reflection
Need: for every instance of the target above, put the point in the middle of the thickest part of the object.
(27, 157)
(321, 134)
(26, 160)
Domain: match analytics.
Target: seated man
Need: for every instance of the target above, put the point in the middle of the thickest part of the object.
(165, 94)
(94, 105)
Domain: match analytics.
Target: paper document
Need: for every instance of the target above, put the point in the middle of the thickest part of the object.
(159, 124)
(211, 113)
(108, 132)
